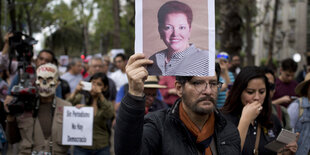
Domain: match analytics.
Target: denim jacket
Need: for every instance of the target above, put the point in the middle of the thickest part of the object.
(303, 127)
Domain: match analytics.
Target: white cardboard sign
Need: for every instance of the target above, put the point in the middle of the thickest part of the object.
(78, 126)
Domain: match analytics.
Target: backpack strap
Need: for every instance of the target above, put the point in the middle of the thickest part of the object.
(301, 110)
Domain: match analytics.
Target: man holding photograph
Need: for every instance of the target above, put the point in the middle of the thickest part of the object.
(192, 126)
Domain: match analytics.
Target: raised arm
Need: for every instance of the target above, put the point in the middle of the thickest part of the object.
(249, 114)
(130, 120)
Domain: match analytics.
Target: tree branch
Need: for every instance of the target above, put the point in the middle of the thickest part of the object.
(265, 15)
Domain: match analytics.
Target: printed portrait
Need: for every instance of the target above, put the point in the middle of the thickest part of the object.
(178, 36)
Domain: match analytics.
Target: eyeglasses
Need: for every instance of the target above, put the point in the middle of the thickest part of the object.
(272, 86)
(97, 66)
(201, 86)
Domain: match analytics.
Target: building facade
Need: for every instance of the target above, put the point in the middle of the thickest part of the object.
(291, 35)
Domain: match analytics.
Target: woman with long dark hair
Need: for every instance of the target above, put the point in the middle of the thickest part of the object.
(248, 106)
(103, 111)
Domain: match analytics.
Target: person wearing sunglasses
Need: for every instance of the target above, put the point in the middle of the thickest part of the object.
(277, 109)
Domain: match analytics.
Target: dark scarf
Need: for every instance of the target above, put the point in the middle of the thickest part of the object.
(204, 136)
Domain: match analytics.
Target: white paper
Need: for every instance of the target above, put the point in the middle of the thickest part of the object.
(64, 60)
(78, 126)
(285, 137)
(86, 85)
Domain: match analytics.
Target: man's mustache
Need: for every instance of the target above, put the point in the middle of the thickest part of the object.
(206, 98)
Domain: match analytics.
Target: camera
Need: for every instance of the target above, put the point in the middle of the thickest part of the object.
(86, 85)
(21, 48)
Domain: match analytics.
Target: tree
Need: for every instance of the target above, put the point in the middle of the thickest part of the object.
(82, 6)
(27, 14)
(230, 26)
(273, 32)
(116, 16)
(67, 39)
(249, 12)
(105, 26)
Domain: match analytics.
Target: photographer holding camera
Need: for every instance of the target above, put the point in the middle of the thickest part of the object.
(23, 47)
(40, 129)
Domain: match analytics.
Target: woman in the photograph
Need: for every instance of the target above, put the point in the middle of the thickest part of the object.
(103, 111)
(180, 57)
(248, 106)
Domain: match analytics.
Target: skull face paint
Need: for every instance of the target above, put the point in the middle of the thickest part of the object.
(47, 79)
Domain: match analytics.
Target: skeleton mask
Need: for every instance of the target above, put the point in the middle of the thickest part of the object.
(47, 78)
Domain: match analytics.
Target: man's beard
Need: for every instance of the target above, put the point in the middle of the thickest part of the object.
(195, 108)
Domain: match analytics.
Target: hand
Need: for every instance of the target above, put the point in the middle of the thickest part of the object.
(251, 111)
(7, 36)
(79, 87)
(223, 65)
(285, 99)
(137, 73)
(6, 102)
(79, 106)
(172, 91)
(6, 46)
(292, 147)
(95, 90)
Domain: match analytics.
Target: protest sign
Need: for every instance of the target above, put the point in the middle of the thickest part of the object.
(78, 126)
(179, 36)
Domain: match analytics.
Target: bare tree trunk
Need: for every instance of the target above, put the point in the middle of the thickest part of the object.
(249, 32)
(84, 29)
(1, 40)
(231, 40)
(19, 19)
(116, 33)
(11, 6)
(86, 40)
(28, 19)
(273, 32)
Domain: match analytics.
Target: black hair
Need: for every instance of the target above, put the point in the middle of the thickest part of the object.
(55, 62)
(233, 55)
(174, 7)
(270, 71)
(104, 80)
(233, 104)
(123, 56)
(49, 52)
(289, 65)
(184, 79)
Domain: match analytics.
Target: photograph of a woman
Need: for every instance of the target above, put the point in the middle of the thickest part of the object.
(180, 57)
(178, 35)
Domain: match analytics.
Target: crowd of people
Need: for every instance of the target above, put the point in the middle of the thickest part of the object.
(239, 110)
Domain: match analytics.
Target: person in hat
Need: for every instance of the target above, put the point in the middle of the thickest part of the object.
(299, 111)
(151, 87)
(152, 95)
(226, 77)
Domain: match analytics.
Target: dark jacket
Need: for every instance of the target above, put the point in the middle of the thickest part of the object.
(162, 132)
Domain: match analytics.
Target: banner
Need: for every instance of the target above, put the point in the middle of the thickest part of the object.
(78, 126)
